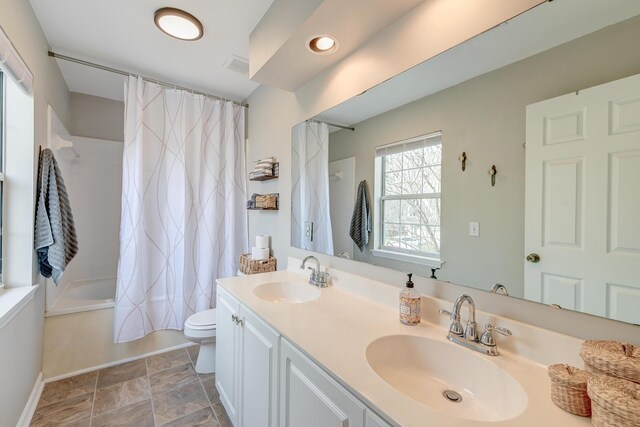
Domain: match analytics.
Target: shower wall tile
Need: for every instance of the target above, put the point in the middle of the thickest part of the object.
(94, 183)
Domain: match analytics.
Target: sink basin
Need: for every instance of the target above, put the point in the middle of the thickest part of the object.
(286, 292)
(425, 370)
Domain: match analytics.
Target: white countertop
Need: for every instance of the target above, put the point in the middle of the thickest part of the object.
(335, 330)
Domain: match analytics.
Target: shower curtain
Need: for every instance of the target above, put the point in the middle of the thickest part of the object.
(184, 222)
(310, 195)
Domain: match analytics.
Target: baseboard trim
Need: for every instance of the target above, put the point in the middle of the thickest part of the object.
(117, 362)
(32, 403)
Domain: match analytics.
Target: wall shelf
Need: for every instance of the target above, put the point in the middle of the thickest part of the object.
(264, 202)
(275, 171)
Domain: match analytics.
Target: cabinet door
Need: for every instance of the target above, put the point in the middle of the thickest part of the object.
(311, 398)
(259, 372)
(373, 420)
(227, 351)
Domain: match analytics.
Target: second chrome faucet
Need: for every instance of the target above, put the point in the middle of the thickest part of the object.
(468, 336)
(317, 278)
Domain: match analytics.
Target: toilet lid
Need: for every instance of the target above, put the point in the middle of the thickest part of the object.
(203, 318)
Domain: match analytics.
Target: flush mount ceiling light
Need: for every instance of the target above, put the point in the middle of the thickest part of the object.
(178, 24)
(322, 44)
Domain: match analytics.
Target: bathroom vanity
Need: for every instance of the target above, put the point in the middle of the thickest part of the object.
(290, 354)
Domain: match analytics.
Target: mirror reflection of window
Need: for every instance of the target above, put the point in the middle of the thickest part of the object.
(408, 196)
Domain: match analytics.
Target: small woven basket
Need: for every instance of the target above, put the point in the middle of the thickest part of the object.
(615, 402)
(569, 389)
(250, 266)
(612, 358)
(267, 201)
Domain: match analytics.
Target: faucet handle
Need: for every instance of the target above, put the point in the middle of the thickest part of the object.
(456, 327)
(444, 312)
(487, 336)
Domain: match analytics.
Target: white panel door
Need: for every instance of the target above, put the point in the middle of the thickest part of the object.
(582, 200)
(259, 372)
(342, 198)
(310, 398)
(227, 353)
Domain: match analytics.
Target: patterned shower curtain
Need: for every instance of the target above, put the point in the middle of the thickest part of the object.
(184, 222)
(310, 187)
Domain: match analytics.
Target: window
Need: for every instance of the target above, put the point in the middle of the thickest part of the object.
(1, 180)
(408, 176)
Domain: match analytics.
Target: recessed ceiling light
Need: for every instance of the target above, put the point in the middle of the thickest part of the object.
(322, 44)
(178, 24)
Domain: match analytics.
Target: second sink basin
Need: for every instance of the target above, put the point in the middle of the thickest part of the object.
(447, 378)
(286, 292)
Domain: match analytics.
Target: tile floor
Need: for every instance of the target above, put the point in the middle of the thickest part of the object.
(162, 390)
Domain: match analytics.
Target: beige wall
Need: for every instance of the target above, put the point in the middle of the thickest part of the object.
(485, 117)
(21, 339)
(95, 117)
(274, 112)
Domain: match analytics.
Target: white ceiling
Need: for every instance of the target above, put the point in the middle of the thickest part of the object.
(535, 31)
(122, 34)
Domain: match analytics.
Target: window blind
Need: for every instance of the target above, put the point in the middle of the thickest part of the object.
(13, 65)
(409, 144)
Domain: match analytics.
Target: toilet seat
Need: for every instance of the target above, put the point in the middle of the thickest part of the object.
(202, 320)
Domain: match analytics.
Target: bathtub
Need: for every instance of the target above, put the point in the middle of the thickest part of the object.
(78, 333)
(85, 295)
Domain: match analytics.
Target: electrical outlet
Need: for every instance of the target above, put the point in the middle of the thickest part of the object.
(308, 231)
(474, 229)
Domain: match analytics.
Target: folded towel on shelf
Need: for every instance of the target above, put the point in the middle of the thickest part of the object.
(263, 171)
(361, 218)
(55, 235)
(264, 163)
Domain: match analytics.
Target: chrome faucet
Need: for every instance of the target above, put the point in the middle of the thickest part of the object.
(468, 337)
(318, 278)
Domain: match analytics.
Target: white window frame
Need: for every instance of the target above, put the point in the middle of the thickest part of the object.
(432, 260)
(3, 156)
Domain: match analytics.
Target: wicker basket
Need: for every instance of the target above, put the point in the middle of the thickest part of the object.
(250, 266)
(615, 402)
(612, 358)
(569, 389)
(267, 201)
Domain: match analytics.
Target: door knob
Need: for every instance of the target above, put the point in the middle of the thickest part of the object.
(534, 258)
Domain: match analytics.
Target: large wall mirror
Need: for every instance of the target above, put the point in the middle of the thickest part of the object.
(512, 159)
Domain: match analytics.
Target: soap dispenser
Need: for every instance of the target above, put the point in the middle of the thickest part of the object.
(409, 304)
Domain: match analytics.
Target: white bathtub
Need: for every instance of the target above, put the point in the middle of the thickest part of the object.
(85, 295)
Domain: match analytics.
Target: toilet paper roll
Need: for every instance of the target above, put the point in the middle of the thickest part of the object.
(259, 253)
(262, 241)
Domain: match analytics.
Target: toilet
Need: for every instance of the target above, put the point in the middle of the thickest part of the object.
(201, 328)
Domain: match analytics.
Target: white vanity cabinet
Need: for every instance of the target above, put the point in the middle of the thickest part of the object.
(372, 420)
(227, 352)
(246, 364)
(265, 381)
(311, 398)
(258, 373)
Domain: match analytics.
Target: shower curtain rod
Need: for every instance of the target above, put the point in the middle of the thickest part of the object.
(332, 124)
(148, 79)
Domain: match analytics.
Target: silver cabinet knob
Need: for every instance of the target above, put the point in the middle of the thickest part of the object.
(533, 257)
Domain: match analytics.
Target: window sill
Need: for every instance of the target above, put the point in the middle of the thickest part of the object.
(12, 300)
(415, 259)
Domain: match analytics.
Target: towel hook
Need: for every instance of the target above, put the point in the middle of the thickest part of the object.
(492, 172)
(463, 159)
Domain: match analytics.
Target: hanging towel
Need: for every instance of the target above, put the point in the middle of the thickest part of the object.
(361, 218)
(55, 234)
